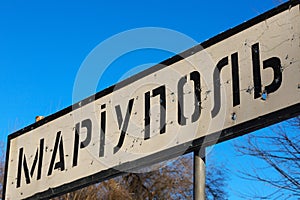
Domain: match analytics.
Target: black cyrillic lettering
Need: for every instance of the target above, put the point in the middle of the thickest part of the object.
(123, 124)
(256, 70)
(180, 114)
(275, 64)
(217, 92)
(235, 79)
(57, 146)
(102, 131)
(38, 160)
(76, 145)
(147, 116)
(161, 91)
(195, 77)
(87, 123)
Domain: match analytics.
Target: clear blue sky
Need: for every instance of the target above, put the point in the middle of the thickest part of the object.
(43, 44)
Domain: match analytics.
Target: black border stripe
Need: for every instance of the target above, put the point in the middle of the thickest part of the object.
(226, 134)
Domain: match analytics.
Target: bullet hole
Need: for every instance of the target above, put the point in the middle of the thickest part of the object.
(249, 90)
(281, 69)
(233, 116)
(264, 95)
(298, 85)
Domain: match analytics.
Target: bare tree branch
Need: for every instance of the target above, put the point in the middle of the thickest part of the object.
(280, 151)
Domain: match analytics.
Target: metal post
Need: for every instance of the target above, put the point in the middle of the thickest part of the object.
(199, 174)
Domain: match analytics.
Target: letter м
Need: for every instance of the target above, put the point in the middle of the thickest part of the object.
(22, 164)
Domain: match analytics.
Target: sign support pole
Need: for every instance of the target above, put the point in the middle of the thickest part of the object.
(199, 174)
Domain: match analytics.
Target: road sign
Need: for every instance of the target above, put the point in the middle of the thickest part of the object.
(244, 79)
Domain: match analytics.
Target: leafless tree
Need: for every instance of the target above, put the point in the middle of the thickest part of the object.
(109, 190)
(216, 182)
(171, 182)
(174, 181)
(279, 150)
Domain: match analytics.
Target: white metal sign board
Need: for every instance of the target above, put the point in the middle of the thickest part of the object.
(244, 79)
